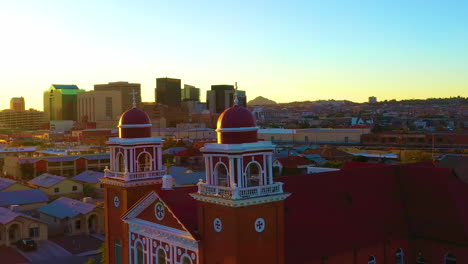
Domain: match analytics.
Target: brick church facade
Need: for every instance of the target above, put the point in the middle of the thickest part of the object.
(241, 214)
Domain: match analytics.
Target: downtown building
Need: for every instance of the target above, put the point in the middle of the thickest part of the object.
(126, 90)
(168, 92)
(60, 102)
(240, 213)
(101, 107)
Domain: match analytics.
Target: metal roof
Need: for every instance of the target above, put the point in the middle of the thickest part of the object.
(5, 182)
(6, 216)
(46, 180)
(65, 158)
(89, 176)
(22, 197)
(66, 207)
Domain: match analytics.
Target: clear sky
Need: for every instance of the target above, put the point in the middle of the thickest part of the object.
(283, 50)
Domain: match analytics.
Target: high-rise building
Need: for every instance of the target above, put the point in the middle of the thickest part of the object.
(29, 120)
(372, 100)
(102, 107)
(190, 93)
(242, 98)
(168, 92)
(220, 97)
(60, 102)
(126, 90)
(17, 104)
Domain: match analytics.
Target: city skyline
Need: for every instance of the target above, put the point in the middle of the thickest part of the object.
(302, 51)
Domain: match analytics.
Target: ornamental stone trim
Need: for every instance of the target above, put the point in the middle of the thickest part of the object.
(240, 203)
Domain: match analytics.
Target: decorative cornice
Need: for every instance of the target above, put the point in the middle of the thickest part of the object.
(135, 125)
(141, 206)
(238, 148)
(113, 181)
(240, 203)
(163, 233)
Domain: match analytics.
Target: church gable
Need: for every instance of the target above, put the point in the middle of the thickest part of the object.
(153, 209)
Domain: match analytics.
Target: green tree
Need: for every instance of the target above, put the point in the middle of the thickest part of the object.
(90, 261)
(360, 158)
(27, 171)
(102, 249)
(88, 190)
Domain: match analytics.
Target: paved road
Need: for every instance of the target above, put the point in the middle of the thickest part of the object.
(46, 250)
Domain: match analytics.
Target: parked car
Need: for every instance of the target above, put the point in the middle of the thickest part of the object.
(26, 244)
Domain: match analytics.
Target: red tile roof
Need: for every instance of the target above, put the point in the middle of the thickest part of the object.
(337, 211)
(189, 152)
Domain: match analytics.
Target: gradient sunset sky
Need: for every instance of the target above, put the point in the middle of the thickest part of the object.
(283, 50)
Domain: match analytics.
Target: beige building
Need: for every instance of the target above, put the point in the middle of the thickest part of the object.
(54, 185)
(25, 200)
(15, 226)
(126, 91)
(102, 107)
(313, 135)
(69, 216)
(11, 185)
(30, 119)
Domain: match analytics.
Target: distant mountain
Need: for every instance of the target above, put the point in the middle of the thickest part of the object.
(260, 100)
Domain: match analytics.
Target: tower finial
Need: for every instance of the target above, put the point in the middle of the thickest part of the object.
(236, 100)
(134, 98)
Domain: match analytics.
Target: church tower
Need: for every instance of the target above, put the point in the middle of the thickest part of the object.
(135, 168)
(240, 207)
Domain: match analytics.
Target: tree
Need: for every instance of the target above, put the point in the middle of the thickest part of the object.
(360, 158)
(88, 190)
(90, 261)
(102, 249)
(27, 171)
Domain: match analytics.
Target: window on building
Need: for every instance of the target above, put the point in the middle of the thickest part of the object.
(420, 140)
(34, 232)
(78, 224)
(399, 256)
(56, 190)
(421, 260)
(108, 108)
(253, 175)
(186, 260)
(101, 185)
(439, 140)
(118, 252)
(161, 256)
(371, 260)
(139, 253)
(74, 188)
(221, 175)
(450, 259)
(144, 162)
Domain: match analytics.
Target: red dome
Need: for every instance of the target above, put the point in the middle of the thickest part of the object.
(134, 116)
(236, 125)
(134, 123)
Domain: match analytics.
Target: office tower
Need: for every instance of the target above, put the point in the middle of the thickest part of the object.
(242, 98)
(190, 93)
(168, 92)
(102, 107)
(126, 92)
(17, 104)
(372, 100)
(60, 102)
(220, 97)
(29, 120)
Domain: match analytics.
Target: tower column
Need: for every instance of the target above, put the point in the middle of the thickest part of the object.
(270, 168)
(239, 173)
(231, 172)
(208, 170)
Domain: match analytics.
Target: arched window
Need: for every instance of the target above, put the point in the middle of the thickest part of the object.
(371, 260)
(421, 260)
(161, 256)
(120, 162)
(253, 174)
(450, 259)
(221, 175)
(186, 260)
(399, 256)
(144, 162)
(139, 254)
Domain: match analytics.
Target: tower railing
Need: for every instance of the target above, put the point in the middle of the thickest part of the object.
(134, 176)
(236, 193)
